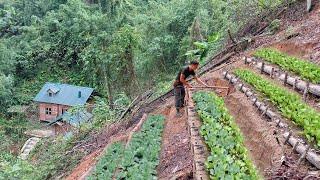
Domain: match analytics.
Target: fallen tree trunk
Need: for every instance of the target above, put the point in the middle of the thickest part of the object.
(283, 76)
(135, 102)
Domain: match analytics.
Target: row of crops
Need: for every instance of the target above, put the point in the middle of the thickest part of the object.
(303, 68)
(228, 157)
(139, 159)
(289, 104)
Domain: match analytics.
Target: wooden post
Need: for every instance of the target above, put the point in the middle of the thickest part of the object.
(285, 78)
(305, 92)
(295, 146)
(241, 86)
(287, 139)
(228, 92)
(303, 156)
(272, 71)
(295, 84)
(262, 67)
(225, 76)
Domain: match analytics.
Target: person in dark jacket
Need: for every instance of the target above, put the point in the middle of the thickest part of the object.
(180, 83)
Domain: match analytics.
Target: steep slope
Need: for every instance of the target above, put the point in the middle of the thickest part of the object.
(298, 36)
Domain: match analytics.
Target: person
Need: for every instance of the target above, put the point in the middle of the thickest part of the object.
(181, 82)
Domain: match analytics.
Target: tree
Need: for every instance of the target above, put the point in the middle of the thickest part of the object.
(6, 84)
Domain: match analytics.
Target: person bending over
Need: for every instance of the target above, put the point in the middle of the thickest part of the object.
(180, 83)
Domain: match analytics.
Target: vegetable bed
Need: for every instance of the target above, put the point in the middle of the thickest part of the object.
(228, 157)
(109, 162)
(139, 159)
(289, 104)
(303, 68)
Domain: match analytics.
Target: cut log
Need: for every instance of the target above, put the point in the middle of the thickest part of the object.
(260, 105)
(290, 80)
(311, 156)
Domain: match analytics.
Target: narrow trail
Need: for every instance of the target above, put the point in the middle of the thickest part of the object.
(175, 156)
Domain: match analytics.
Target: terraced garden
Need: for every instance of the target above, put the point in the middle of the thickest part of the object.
(228, 157)
(136, 161)
(289, 104)
(303, 68)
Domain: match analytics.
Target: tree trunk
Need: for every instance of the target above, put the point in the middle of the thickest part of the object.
(104, 6)
(108, 86)
(195, 32)
(130, 70)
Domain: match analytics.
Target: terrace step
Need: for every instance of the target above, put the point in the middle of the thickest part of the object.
(199, 149)
(303, 150)
(283, 76)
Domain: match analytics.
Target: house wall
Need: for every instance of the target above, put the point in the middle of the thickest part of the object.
(56, 110)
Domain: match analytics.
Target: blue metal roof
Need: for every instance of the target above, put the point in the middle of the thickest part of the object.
(75, 119)
(66, 94)
(78, 118)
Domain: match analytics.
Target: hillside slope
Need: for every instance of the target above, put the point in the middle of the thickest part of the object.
(298, 35)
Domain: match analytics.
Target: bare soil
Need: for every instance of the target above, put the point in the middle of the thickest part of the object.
(175, 156)
(303, 27)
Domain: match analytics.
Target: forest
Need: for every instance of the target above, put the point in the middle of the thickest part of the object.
(121, 48)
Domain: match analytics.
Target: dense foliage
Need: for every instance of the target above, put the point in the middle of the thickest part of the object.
(228, 157)
(289, 104)
(51, 157)
(112, 46)
(120, 48)
(303, 68)
(139, 159)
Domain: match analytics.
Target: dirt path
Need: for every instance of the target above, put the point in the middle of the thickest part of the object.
(259, 139)
(175, 157)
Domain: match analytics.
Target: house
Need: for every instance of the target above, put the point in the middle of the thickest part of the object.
(55, 99)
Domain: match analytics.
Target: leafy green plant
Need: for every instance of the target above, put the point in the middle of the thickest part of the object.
(303, 68)
(289, 104)
(142, 155)
(139, 159)
(108, 163)
(228, 157)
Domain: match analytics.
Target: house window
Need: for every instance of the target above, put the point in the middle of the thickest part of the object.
(50, 94)
(48, 111)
